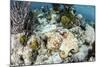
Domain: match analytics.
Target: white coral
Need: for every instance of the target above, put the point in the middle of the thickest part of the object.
(54, 18)
(49, 28)
(27, 55)
(89, 34)
(81, 55)
(69, 43)
(54, 40)
(54, 58)
(19, 51)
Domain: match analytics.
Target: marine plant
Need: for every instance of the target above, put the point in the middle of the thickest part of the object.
(34, 44)
(23, 39)
(65, 20)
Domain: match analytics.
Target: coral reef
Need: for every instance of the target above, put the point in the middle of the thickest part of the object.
(53, 35)
(69, 44)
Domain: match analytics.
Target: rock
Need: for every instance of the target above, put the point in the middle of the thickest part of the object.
(48, 28)
(15, 59)
(54, 18)
(41, 59)
(91, 59)
(42, 51)
(16, 49)
(42, 19)
(54, 58)
(79, 16)
(69, 43)
(22, 55)
(82, 54)
(89, 34)
(53, 41)
(78, 33)
(15, 40)
(27, 56)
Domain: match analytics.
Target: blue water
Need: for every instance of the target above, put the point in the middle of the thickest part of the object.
(88, 11)
(40, 4)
